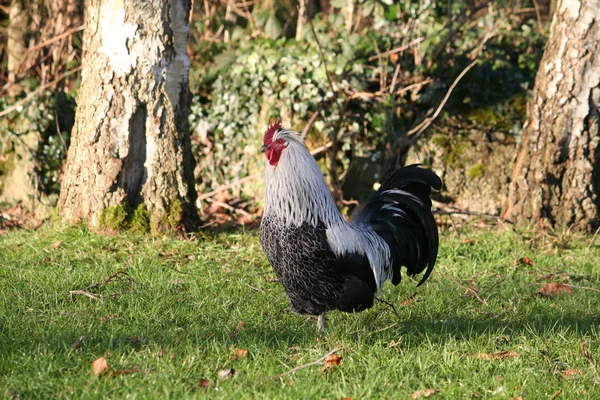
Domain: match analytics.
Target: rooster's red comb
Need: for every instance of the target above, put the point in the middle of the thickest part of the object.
(271, 131)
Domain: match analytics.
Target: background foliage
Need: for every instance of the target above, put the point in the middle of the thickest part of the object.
(363, 75)
(387, 72)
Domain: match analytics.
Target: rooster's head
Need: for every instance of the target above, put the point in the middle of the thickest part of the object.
(276, 140)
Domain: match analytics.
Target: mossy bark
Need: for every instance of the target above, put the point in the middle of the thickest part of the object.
(556, 180)
(130, 144)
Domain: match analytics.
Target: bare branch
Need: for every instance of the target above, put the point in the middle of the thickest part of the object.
(37, 91)
(228, 207)
(417, 130)
(320, 49)
(399, 49)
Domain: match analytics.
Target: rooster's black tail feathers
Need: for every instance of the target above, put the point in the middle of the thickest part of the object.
(400, 212)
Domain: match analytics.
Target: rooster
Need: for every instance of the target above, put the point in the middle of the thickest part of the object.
(324, 262)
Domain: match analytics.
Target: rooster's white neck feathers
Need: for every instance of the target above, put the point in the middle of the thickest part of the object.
(296, 192)
(295, 189)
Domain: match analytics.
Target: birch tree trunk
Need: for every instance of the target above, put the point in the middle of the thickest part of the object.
(130, 145)
(15, 46)
(556, 180)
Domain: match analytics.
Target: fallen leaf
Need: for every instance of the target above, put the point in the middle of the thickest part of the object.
(239, 353)
(407, 301)
(167, 253)
(99, 366)
(516, 398)
(226, 373)
(556, 394)
(203, 383)
(423, 393)
(493, 356)
(468, 241)
(57, 244)
(568, 373)
(551, 289)
(332, 361)
(523, 261)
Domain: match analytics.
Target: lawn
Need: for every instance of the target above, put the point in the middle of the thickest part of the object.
(504, 315)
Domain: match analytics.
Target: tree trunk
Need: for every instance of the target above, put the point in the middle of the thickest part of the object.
(302, 18)
(556, 180)
(15, 46)
(130, 145)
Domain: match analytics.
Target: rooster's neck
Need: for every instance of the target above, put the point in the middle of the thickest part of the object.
(296, 192)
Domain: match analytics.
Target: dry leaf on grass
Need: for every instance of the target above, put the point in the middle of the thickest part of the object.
(99, 366)
(469, 241)
(332, 361)
(238, 353)
(523, 261)
(551, 289)
(556, 394)
(570, 373)
(57, 244)
(423, 393)
(493, 356)
(407, 301)
(203, 383)
(226, 373)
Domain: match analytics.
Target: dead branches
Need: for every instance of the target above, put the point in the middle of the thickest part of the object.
(119, 276)
(417, 130)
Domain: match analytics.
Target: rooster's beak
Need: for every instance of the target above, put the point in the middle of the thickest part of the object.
(263, 147)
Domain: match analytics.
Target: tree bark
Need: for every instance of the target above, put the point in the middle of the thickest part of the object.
(130, 144)
(302, 18)
(556, 180)
(15, 46)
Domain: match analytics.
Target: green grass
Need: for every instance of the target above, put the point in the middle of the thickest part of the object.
(192, 303)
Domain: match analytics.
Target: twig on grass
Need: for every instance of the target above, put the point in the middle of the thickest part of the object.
(390, 305)
(587, 356)
(258, 290)
(467, 288)
(581, 287)
(115, 276)
(320, 361)
(84, 293)
(441, 209)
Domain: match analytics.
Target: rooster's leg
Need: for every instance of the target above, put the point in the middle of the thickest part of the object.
(321, 323)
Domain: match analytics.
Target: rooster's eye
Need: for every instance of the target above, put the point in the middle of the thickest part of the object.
(279, 141)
